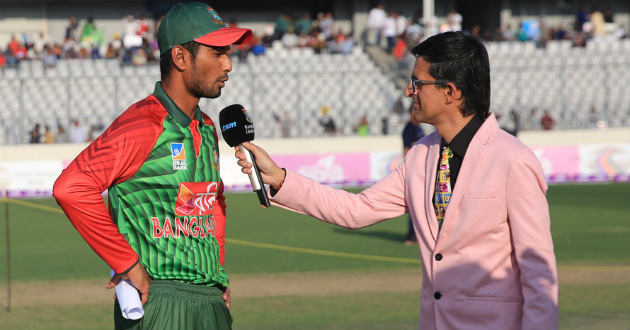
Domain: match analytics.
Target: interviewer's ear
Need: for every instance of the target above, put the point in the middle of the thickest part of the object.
(451, 92)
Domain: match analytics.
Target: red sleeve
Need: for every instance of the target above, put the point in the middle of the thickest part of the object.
(113, 157)
(219, 213)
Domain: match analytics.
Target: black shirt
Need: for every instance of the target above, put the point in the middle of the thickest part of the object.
(459, 145)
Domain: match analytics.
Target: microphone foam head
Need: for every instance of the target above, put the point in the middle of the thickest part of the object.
(236, 125)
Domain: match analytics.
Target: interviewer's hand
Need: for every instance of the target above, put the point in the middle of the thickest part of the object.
(138, 277)
(270, 173)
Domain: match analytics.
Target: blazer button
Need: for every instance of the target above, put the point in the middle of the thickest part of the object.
(437, 296)
(438, 257)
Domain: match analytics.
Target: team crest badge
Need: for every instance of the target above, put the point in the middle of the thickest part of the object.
(247, 117)
(215, 160)
(178, 153)
(215, 17)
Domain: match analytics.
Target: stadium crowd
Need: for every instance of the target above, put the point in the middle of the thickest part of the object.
(137, 44)
(386, 28)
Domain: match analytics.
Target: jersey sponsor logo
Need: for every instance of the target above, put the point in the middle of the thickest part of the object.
(178, 153)
(196, 198)
(188, 227)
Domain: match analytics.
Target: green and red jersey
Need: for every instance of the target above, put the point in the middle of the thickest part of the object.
(166, 204)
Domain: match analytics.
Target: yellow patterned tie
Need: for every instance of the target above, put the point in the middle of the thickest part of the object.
(443, 185)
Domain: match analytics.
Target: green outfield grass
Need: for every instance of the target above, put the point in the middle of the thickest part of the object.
(590, 226)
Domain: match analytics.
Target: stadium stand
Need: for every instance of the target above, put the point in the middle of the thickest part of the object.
(565, 80)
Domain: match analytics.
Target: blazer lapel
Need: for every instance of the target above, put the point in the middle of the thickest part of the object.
(470, 166)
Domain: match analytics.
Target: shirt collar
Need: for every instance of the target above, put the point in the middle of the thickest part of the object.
(460, 142)
(173, 109)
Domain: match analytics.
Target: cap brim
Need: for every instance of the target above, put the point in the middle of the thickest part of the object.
(226, 36)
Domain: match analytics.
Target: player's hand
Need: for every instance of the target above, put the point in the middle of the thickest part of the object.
(227, 298)
(270, 173)
(138, 277)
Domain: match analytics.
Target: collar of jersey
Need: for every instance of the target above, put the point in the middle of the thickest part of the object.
(173, 109)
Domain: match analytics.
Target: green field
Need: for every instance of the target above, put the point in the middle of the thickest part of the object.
(289, 271)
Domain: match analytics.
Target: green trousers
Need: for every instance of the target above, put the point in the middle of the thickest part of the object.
(179, 306)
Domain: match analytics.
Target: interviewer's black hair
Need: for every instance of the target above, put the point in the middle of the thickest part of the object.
(462, 60)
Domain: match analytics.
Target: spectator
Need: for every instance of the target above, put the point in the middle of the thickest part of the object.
(40, 41)
(579, 39)
(515, 125)
(259, 47)
(49, 137)
(78, 134)
(620, 33)
(62, 136)
(597, 22)
(375, 23)
(284, 122)
(14, 45)
(327, 25)
(326, 121)
(143, 27)
(401, 23)
(304, 40)
(414, 32)
(70, 49)
(363, 127)
(532, 122)
(304, 24)
(547, 122)
(521, 34)
(35, 135)
(112, 51)
(508, 33)
(10, 58)
(267, 38)
(560, 33)
(400, 55)
(3, 59)
(290, 39)
(282, 26)
(594, 119)
(130, 37)
(581, 17)
(90, 35)
(138, 57)
(318, 41)
(398, 106)
(455, 20)
(71, 29)
(50, 58)
(389, 32)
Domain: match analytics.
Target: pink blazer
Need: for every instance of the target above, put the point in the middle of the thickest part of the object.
(492, 265)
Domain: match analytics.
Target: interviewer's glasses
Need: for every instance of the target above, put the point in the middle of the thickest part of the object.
(417, 84)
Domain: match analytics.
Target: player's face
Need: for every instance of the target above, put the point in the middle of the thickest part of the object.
(210, 71)
(427, 98)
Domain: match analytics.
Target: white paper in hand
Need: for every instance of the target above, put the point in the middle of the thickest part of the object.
(128, 299)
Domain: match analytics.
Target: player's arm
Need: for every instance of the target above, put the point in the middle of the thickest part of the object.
(113, 157)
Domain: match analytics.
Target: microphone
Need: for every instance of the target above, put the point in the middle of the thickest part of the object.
(237, 127)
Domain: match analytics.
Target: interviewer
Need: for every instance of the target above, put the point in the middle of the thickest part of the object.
(475, 193)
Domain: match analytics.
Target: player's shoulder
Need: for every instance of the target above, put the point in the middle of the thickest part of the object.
(143, 114)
